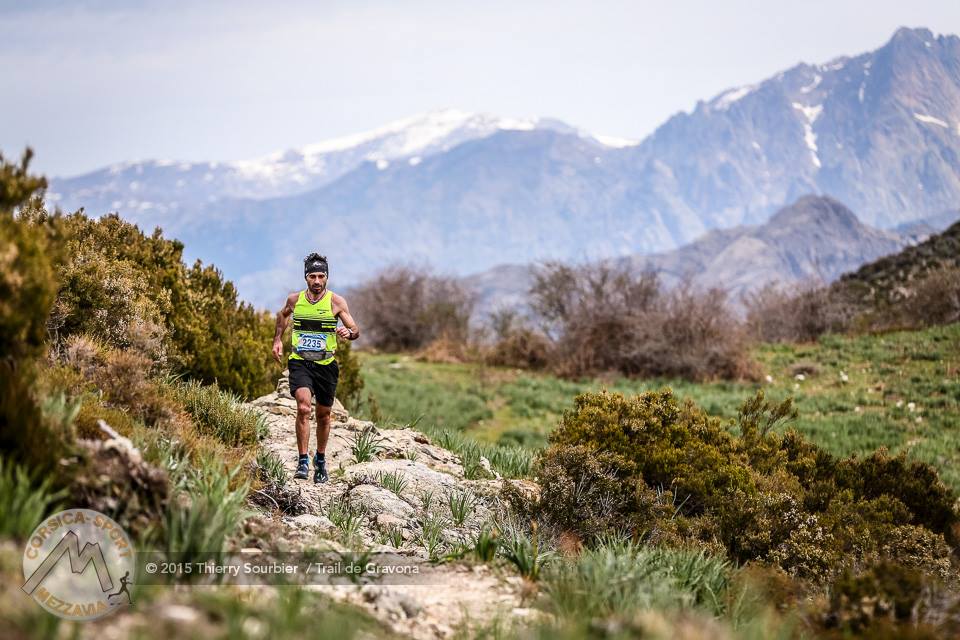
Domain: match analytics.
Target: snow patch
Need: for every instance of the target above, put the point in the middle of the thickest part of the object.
(817, 78)
(724, 100)
(810, 114)
(614, 142)
(922, 117)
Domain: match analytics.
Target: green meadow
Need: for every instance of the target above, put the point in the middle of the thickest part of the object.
(854, 394)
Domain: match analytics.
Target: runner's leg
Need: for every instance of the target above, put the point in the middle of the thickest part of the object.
(304, 399)
(323, 427)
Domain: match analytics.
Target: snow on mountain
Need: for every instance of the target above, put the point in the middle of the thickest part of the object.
(168, 193)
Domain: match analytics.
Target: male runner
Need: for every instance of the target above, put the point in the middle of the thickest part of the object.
(313, 367)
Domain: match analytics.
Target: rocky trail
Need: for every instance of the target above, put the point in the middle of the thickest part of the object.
(422, 477)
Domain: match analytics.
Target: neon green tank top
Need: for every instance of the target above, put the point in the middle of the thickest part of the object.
(314, 325)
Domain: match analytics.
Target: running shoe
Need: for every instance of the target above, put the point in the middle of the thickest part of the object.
(303, 469)
(319, 470)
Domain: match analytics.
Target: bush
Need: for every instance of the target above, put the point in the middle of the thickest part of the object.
(132, 291)
(199, 521)
(608, 319)
(516, 344)
(661, 441)
(933, 300)
(802, 313)
(405, 308)
(652, 465)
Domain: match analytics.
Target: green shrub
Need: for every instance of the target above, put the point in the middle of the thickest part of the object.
(620, 578)
(270, 468)
(486, 543)
(393, 481)
(883, 593)
(580, 491)
(431, 534)
(666, 443)
(220, 413)
(133, 291)
(461, 505)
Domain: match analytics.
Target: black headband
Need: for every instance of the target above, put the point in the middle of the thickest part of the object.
(314, 266)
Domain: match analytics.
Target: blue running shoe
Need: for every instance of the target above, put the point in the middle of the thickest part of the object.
(319, 470)
(303, 468)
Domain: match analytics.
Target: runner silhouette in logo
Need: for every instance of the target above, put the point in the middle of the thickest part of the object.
(123, 589)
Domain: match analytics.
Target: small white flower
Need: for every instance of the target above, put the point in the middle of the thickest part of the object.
(844, 377)
(796, 385)
(911, 406)
(769, 378)
(800, 377)
(918, 420)
(899, 403)
(857, 409)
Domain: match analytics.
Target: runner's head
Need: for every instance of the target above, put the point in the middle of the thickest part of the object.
(315, 271)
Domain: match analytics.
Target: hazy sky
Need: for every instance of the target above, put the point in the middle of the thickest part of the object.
(91, 83)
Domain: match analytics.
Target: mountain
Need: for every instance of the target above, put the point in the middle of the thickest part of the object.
(879, 131)
(170, 193)
(814, 239)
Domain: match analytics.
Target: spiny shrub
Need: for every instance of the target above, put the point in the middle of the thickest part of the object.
(220, 413)
(665, 442)
(270, 468)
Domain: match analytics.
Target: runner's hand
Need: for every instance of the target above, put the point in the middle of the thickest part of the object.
(277, 350)
(344, 333)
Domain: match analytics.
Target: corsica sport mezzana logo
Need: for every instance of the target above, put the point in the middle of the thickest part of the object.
(79, 564)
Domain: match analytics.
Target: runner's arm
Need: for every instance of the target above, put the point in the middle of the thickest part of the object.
(349, 330)
(282, 317)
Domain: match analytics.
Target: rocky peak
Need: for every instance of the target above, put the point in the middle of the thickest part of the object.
(818, 211)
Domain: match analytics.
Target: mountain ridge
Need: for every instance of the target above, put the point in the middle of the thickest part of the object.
(879, 131)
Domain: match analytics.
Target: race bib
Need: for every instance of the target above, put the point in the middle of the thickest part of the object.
(311, 342)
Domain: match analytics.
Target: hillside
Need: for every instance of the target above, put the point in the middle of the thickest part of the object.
(886, 280)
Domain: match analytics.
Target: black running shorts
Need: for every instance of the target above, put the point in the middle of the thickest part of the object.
(321, 379)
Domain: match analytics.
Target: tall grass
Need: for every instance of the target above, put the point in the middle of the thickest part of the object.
(200, 520)
(24, 500)
(508, 461)
(220, 413)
